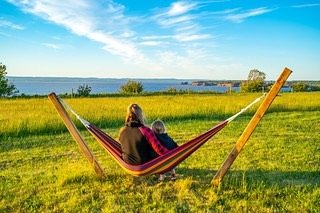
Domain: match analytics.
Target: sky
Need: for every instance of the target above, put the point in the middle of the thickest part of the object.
(207, 39)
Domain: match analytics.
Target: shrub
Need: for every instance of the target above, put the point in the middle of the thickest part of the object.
(251, 86)
(172, 90)
(299, 87)
(314, 88)
(84, 90)
(131, 86)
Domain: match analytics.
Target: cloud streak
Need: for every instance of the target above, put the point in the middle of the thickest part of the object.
(5, 23)
(82, 18)
(50, 45)
(242, 16)
(180, 7)
(305, 5)
(182, 19)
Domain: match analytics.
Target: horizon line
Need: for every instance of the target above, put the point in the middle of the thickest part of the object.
(129, 78)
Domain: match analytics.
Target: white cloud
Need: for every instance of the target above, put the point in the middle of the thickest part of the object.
(191, 37)
(151, 43)
(155, 37)
(181, 37)
(240, 17)
(180, 7)
(128, 34)
(176, 21)
(116, 46)
(306, 5)
(178, 27)
(5, 23)
(179, 15)
(85, 18)
(50, 45)
(190, 27)
(182, 19)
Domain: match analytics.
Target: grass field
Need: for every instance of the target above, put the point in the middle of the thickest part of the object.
(42, 170)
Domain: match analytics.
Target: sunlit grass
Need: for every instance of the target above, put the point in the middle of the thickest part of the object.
(34, 116)
(42, 170)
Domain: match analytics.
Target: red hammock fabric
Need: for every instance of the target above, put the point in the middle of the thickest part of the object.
(160, 164)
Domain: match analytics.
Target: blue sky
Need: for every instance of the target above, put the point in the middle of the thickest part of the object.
(208, 39)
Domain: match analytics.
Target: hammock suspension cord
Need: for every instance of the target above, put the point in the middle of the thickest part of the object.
(82, 120)
(246, 108)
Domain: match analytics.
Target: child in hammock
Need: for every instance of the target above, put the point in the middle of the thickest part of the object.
(159, 129)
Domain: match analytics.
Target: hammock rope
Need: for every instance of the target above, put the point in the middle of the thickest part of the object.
(67, 107)
(246, 108)
(161, 163)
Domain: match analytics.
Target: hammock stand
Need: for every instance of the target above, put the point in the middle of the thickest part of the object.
(173, 157)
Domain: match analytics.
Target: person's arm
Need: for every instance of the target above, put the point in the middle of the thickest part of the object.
(172, 141)
(153, 140)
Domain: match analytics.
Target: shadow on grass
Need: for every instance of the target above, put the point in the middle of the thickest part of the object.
(238, 178)
(280, 178)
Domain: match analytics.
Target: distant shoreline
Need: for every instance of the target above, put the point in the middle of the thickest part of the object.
(63, 85)
(69, 85)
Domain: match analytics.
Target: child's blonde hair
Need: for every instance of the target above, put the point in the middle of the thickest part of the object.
(134, 113)
(158, 126)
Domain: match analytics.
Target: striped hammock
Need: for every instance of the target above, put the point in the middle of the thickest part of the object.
(161, 163)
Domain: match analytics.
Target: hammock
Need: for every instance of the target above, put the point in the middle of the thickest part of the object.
(161, 163)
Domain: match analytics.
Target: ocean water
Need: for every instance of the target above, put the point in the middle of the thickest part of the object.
(61, 85)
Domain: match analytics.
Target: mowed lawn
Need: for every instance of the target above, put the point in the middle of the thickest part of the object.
(42, 169)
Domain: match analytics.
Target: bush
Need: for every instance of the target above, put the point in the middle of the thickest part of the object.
(299, 87)
(314, 88)
(172, 90)
(84, 90)
(131, 86)
(252, 86)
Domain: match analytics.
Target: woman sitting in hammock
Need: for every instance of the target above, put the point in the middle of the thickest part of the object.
(138, 142)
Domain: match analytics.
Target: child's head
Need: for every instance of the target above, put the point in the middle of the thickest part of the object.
(158, 126)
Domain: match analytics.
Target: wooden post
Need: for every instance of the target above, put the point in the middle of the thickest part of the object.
(251, 126)
(76, 134)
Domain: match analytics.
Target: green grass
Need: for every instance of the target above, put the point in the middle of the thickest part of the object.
(42, 170)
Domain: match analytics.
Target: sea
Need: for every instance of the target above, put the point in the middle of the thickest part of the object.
(62, 85)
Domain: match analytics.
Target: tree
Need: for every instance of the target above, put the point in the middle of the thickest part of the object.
(255, 82)
(6, 88)
(255, 74)
(299, 87)
(251, 86)
(314, 88)
(131, 86)
(84, 90)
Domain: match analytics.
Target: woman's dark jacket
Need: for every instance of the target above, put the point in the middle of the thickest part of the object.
(135, 147)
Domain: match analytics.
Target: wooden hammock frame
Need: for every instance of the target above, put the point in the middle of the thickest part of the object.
(228, 161)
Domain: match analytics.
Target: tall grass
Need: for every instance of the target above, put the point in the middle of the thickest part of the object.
(21, 117)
